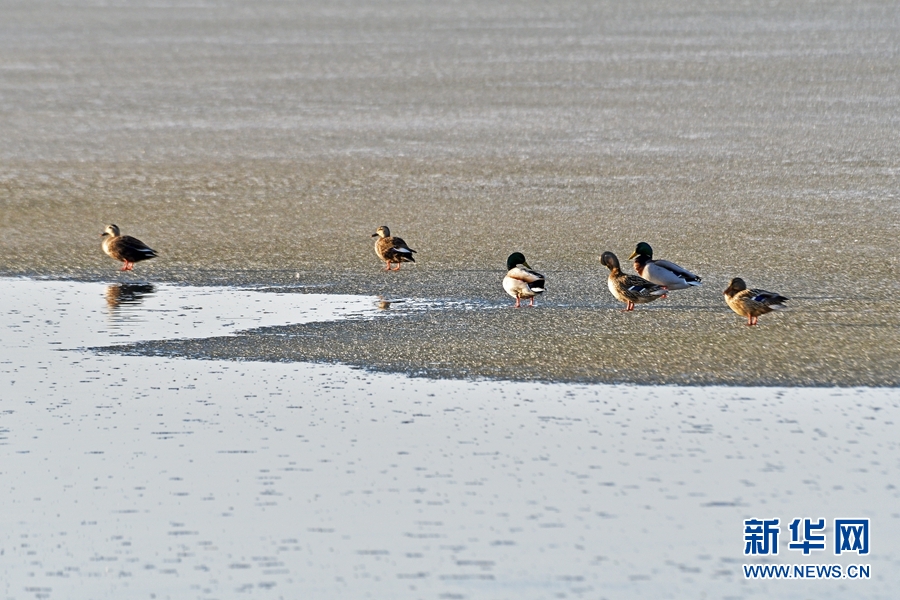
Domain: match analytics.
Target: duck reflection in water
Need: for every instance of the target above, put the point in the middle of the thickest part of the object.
(385, 303)
(127, 293)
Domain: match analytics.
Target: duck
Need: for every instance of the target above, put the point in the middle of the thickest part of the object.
(125, 248)
(630, 289)
(520, 280)
(661, 272)
(391, 249)
(751, 303)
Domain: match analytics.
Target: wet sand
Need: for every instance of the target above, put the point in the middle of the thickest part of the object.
(139, 477)
(573, 344)
(836, 260)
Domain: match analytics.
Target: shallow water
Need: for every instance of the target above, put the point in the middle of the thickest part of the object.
(173, 478)
(146, 311)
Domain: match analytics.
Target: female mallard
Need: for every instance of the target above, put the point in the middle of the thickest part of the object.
(391, 249)
(751, 303)
(661, 272)
(520, 281)
(125, 248)
(630, 289)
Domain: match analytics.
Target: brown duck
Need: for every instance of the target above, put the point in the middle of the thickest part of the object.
(391, 249)
(125, 248)
(751, 303)
(630, 289)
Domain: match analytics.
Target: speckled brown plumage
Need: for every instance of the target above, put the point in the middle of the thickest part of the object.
(391, 249)
(630, 289)
(751, 303)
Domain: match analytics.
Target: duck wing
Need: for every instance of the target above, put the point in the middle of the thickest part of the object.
(523, 274)
(668, 273)
(400, 250)
(394, 249)
(534, 280)
(131, 249)
(638, 287)
(770, 299)
(753, 303)
(399, 245)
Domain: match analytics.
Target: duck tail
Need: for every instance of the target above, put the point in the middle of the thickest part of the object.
(404, 254)
(537, 286)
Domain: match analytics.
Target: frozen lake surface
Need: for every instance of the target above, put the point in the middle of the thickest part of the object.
(144, 477)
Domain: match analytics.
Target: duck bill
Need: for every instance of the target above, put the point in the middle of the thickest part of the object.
(374, 235)
(526, 265)
(104, 234)
(633, 254)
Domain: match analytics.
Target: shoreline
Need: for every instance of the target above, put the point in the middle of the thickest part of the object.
(478, 340)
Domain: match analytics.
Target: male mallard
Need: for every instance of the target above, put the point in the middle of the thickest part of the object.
(391, 249)
(520, 281)
(661, 272)
(630, 289)
(751, 303)
(125, 248)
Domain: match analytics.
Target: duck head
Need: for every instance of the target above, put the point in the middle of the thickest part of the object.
(515, 259)
(112, 230)
(737, 285)
(610, 261)
(642, 249)
(382, 231)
